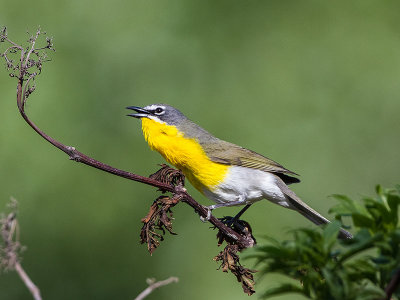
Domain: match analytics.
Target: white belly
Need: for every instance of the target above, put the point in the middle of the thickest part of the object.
(247, 185)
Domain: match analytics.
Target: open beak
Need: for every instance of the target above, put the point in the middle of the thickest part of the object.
(141, 113)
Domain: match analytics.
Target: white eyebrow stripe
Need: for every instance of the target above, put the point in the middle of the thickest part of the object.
(153, 107)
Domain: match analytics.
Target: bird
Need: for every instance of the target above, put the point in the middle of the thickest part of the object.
(226, 173)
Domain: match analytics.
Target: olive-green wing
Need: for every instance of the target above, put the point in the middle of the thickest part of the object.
(230, 154)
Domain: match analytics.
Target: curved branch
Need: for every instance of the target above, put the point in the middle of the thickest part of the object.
(82, 158)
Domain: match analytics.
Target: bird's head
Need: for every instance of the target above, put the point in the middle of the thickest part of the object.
(161, 113)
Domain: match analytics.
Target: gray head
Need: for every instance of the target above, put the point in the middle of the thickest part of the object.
(169, 115)
(160, 113)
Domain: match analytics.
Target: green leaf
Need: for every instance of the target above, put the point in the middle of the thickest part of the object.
(346, 204)
(378, 209)
(379, 190)
(330, 235)
(381, 260)
(347, 207)
(334, 283)
(361, 241)
(361, 220)
(283, 289)
(397, 187)
(328, 268)
(393, 201)
(370, 292)
(360, 268)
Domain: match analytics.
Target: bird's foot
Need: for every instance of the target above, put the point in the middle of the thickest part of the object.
(235, 221)
(209, 210)
(236, 224)
(180, 188)
(229, 221)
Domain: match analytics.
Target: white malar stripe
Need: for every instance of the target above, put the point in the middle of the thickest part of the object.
(155, 118)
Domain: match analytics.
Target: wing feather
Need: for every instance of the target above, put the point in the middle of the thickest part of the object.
(231, 154)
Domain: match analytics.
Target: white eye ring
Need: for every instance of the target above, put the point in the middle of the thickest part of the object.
(158, 111)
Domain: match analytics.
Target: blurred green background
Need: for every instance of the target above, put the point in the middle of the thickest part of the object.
(313, 85)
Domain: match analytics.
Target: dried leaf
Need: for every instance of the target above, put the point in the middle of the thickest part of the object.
(157, 222)
(230, 261)
(240, 226)
(169, 175)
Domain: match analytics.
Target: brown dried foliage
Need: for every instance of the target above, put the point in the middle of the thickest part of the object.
(157, 222)
(10, 246)
(169, 175)
(230, 261)
(26, 63)
(240, 226)
(159, 218)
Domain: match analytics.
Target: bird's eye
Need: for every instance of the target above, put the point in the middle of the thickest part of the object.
(158, 110)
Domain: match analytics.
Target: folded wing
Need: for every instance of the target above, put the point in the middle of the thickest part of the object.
(230, 154)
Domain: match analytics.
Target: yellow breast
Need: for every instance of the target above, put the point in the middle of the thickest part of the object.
(185, 154)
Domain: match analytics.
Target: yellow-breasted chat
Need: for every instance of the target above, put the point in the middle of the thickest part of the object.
(226, 173)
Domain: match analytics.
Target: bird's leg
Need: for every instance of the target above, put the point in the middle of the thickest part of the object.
(210, 208)
(239, 214)
(234, 221)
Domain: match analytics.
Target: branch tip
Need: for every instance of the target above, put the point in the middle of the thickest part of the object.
(153, 284)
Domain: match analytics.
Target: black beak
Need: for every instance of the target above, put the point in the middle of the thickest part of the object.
(141, 112)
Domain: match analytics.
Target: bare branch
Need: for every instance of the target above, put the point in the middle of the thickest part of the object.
(4, 37)
(155, 285)
(28, 282)
(11, 247)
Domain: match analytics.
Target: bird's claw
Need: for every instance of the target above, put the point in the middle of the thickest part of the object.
(206, 219)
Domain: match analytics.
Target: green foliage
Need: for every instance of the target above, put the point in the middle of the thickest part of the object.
(328, 268)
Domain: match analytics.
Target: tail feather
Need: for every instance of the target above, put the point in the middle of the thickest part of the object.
(307, 211)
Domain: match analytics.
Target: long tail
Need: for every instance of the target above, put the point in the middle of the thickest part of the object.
(307, 211)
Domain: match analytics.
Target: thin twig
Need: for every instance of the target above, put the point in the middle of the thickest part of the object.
(14, 44)
(28, 282)
(10, 248)
(33, 42)
(155, 285)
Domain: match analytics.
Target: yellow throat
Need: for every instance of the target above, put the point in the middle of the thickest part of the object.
(184, 153)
